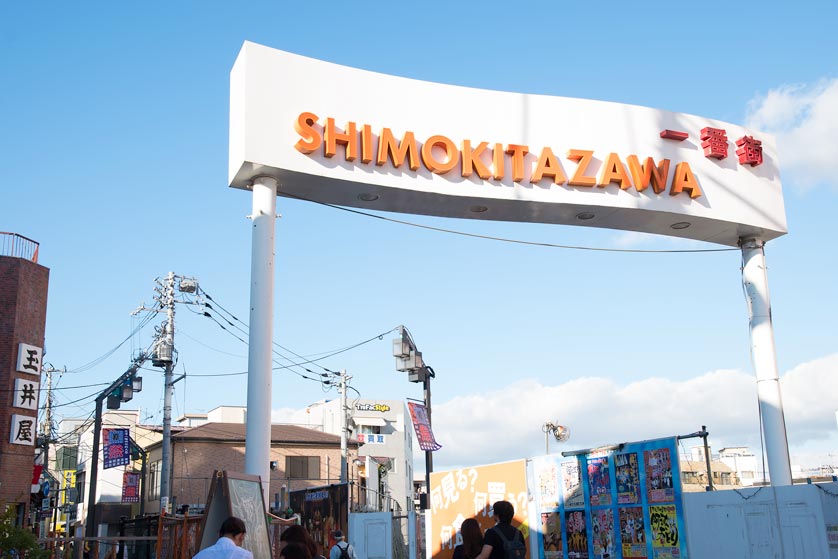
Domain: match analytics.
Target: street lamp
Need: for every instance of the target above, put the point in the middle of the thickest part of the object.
(409, 359)
(560, 432)
(121, 390)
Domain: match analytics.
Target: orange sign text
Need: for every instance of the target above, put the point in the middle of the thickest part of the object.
(439, 154)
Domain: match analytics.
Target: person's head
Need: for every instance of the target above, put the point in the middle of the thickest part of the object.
(299, 535)
(234, 529)
(503, 511)
(472, 537)
(338, 535)
(294, 550)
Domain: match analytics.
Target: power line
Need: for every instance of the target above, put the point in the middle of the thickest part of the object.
(504, 239)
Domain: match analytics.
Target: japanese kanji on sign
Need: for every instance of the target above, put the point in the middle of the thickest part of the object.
(22, 430)
(26, 394)
(29, 359)
(130, 487)
(422, 426)
(117, 448)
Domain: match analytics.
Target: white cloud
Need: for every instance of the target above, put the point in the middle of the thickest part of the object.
(505, 424)
(804, 118)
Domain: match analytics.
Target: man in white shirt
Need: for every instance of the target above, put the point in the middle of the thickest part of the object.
(229, 543)
(340, 547)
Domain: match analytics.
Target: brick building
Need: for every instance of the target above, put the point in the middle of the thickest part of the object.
(23, 311)
(301, 458)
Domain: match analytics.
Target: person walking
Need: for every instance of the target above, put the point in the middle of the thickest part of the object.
(472, 540)
(342, 549)
(231, 537)
(503, 540)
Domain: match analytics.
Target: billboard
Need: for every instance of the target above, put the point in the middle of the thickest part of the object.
(469, 493)
(340, 135)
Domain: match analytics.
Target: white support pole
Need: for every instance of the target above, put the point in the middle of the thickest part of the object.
(755, 281)
(258, 438)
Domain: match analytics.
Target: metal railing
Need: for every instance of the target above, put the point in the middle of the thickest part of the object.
(12, 244)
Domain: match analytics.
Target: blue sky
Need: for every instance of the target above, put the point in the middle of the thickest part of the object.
(114, 152)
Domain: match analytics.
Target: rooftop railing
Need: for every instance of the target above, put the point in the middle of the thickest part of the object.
(12, 244)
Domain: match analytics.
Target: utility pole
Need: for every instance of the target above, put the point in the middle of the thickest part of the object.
(343, 423)
(47, 430)
(163, 356)
(168, 391)
(46, 427)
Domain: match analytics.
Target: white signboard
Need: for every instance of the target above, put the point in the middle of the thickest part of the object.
(26, 394)
(350, 137)
(29, 359)
(22, 430)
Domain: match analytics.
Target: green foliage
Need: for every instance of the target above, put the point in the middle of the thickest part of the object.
(16, 542)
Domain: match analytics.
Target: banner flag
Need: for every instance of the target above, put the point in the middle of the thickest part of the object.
(130, 487)
(419, 415)
(117, 448)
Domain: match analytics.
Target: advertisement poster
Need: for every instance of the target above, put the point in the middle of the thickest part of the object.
(130, 487)
(602, 521)
(551, 531)
(469, 493)
(665, 537)
(322, 510)
(547, 477)
(422, 427)
(574, 497)
(659, 487)
(599, 481)
(628, 478)
(633, 533)
(117, 450)
(577, 534)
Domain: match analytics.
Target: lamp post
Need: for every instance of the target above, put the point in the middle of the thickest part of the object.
(122, 390)
(409, 359)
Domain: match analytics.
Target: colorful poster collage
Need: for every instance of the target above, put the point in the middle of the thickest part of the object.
(618, 503)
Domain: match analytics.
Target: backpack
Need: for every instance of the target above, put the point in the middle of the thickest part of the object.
(344, 551)
(514, 548)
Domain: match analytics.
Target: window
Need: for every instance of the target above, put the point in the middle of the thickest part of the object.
(80, 487)
(154, 480)
(369, 429)
(302, 467)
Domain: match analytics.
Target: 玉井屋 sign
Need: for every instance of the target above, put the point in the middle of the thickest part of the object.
(350, 137)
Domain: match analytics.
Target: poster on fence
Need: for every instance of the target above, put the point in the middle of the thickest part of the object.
(618, 501)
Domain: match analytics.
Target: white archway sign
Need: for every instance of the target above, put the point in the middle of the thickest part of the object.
(318, 131)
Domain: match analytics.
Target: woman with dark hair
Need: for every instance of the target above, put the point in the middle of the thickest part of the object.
(299, 535)
(293, 550)
(472, 540)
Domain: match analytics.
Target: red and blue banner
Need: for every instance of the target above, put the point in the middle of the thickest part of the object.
(117, 448)
(422, 426)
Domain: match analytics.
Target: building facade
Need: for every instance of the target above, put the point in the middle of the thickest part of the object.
(384, 433)
(300, 458)
(23, 311)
